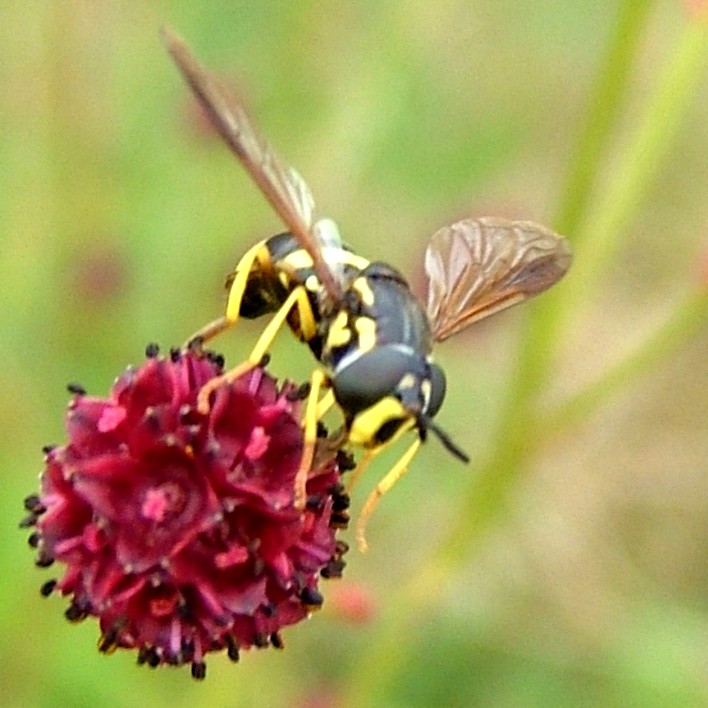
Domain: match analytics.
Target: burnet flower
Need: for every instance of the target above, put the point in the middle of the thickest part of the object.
(177, 530)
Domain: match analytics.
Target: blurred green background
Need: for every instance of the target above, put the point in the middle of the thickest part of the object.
(567, 564)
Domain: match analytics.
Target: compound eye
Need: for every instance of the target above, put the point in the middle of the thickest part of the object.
(438, 387)
(372, 376)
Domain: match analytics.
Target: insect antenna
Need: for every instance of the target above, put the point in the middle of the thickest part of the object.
(426, 423)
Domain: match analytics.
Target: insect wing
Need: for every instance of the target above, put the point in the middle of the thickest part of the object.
(282, 186)
(477, 267)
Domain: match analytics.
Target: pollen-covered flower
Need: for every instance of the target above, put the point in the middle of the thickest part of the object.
(177, 529)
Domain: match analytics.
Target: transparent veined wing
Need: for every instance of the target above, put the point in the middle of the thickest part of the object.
(477, 267)
(282, 186)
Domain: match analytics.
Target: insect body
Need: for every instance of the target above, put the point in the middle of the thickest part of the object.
(378, 347)
(374, 342)
(370, 334)
(275, 268)
(367, 341)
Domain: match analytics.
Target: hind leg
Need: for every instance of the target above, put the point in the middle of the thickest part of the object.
(297, 298)
(233, 304)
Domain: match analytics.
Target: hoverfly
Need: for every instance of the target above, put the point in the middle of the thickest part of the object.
(371, 336)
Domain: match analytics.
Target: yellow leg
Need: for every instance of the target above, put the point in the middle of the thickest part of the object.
(365, 460)
(371, 452)
(231, 375)
(325, 404)
(240, 281)
(317, 382)
(207, 332)
(233, 305)
(298, 297)
(385, 485)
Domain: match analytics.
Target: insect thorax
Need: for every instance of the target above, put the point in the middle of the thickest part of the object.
(377, 348)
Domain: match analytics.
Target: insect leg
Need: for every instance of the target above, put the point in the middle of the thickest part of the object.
(298, 297)
(240, 281)
(317, 383)
(325, 404)
(391, 477)
(209, 331)
(233, 305)
(371, 452)
(361, 466)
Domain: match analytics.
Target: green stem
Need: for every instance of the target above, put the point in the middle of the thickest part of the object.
(494, 479)
(686, 321)
(601, 114)
(603, 231)
(635, 170)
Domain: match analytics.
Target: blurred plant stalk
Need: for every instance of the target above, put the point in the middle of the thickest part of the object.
(595, 218)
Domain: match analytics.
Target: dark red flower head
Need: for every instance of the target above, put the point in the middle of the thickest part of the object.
(178, 530)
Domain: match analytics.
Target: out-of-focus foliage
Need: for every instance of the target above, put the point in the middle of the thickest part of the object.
(566, 564)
